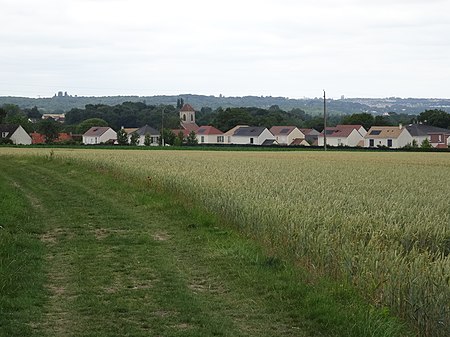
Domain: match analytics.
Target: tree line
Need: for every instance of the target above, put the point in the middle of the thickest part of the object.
(137, 114)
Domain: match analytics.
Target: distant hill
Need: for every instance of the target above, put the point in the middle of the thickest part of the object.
(311, 106)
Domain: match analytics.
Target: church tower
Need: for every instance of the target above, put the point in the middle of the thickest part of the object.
(187, 115)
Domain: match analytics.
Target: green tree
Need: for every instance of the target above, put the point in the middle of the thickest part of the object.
(34, 113)
(192, 138)
(426, 144)
(147, 139)
(229, 118)
(274, 108)
(122, 137)
(2, 115)
(134, 139)
(89, 123)
(49, 128)
(11, 109)
(179, 139)
(11, 114)
(169, 137)
(380, 121)
(436, 117)
(365, 119)
(180, 103)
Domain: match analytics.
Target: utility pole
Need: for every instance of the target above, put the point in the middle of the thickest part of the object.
(324, 121)
(162, 126)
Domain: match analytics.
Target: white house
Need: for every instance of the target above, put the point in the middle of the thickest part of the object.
(255, 135)
(15, 133)
(142, 132)
(389, 136)
(99, 134)
(227, 135)
(343, 135)
(209, 135)
(286, 135)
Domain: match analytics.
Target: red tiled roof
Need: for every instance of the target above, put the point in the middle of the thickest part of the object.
(297, 141)
(208, 130)
(306, 132)
(187, 107)
(64, 136)
(341, 130)
(190, 126)
(96, 131)
(38, 138)
(177, 131)
(353, 126)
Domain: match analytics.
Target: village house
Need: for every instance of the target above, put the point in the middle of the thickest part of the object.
(39, 138)
(254, 135)
(99, 135)
(288, 135)
(209, 135)
(438, 137)
(440, 140)
(14, 133)
(56, 117)
(388, 136)
(343, 135)
(311, 135)
(151, 132)
(227, 135)
(129, 131)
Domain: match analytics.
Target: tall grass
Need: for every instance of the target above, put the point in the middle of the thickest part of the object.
(379, 220)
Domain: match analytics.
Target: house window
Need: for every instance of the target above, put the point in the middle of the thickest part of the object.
(4, 134)
(371, 142)
(192, 118)
(219, 139)
(203, 139)
(184, 117)
(251, 140)
(439, 138)
(389, 142)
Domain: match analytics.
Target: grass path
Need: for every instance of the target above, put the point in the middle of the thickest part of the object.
(86, 253)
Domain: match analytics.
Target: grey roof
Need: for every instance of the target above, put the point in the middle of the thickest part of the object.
(147, 130)
(417, 130)
(249, 131)
(96, 131)
(269, 142)
(309, 132)
(9, 128)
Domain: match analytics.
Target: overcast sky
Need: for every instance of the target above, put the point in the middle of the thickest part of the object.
(356, 48)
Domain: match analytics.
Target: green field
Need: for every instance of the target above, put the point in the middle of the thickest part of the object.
(378, 222)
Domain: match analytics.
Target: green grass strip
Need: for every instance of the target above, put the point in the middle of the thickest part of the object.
(122, 259)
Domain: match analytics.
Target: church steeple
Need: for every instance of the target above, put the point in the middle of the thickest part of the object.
(187, 114)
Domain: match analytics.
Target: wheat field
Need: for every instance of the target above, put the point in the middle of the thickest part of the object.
(378, 220)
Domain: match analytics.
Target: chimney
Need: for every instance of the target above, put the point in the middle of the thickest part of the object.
(400, 126)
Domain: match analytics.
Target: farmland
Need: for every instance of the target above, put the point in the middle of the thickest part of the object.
(380, 221)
